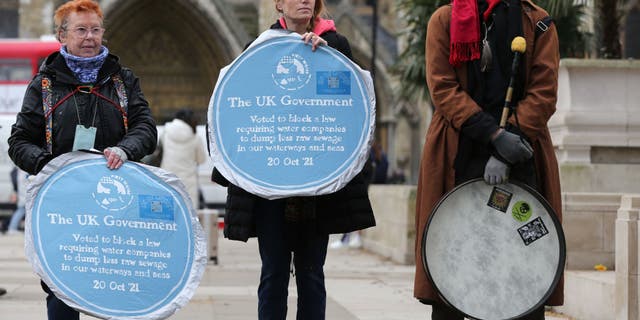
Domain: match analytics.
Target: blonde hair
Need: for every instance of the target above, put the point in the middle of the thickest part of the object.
(63, 12)
(319, 11)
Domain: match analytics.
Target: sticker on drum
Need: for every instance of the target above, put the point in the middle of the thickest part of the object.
(499, 199)
(521, 211)
(533, 231)
(488, 264)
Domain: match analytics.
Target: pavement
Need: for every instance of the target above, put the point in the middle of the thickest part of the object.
(360, 285)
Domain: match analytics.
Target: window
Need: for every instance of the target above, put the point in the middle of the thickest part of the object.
(15, 70)
(9, 18)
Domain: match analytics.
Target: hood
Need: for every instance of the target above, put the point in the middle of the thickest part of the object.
(178, 131)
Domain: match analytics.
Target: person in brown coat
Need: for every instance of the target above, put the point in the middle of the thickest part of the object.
(468, 61)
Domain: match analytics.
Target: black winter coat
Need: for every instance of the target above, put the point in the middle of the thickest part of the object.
(346, 210)
(27, 143)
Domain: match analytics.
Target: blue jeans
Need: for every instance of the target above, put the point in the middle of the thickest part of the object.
(16, 218)
(277, 241)
(56, 308)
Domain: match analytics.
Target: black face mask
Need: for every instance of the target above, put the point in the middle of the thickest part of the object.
(505, 23)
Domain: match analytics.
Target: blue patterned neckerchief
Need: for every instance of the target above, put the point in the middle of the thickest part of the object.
(85, 69)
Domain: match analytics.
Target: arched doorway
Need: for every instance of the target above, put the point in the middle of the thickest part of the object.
(175, 47)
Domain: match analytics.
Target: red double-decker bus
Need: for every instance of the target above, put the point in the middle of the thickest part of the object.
(19, 62)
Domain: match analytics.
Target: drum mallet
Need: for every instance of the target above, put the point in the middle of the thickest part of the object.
(518, 46)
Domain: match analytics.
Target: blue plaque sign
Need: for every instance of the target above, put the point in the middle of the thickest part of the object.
(114, 243)
(288, 121)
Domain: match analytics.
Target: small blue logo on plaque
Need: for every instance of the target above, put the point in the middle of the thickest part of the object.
(292, 72)
(156, 207)
(333, 82)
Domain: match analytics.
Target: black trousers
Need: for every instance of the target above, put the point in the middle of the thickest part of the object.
(56, 308)
(443, 312)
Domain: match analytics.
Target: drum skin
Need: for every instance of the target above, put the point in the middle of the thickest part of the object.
(493, 252)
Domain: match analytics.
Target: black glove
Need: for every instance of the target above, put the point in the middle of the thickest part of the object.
(496, 172)
(511, 147)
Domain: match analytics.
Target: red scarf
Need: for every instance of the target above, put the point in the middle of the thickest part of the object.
(320, 26)
(465, 30)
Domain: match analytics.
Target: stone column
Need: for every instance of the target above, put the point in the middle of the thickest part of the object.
(627, 300)
(631, 26)
(596, 128)
(395, 234)
(36, 18)
(268, 15)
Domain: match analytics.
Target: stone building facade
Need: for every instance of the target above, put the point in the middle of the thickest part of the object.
(177, 48)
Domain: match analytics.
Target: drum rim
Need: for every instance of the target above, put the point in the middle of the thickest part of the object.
(554, 218)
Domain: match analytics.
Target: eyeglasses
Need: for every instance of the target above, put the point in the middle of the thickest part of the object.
(84, 32)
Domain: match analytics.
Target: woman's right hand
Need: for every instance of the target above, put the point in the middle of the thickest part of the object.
(315, 40)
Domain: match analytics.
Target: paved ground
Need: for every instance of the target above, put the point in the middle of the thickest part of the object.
(360, 285)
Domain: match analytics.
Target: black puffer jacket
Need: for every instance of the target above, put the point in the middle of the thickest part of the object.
(346, 210)
(27, 143)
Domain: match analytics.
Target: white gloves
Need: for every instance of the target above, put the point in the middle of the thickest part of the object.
(115, 156)
(496, 172)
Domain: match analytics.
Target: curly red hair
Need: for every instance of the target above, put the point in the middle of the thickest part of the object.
(63, 12)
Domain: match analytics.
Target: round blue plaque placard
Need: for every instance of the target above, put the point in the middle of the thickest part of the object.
(114, 243)
(288, 121)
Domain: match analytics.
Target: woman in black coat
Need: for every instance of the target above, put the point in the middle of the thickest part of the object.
(298, 225)
(82, 98)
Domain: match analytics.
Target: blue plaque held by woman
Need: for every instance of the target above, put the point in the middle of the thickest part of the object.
(288, 121)
(114, 243)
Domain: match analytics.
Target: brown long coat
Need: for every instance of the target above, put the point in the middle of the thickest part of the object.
(453, 106)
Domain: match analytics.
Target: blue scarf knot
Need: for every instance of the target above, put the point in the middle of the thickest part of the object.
(85, 69)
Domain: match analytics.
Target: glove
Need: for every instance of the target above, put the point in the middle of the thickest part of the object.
(116, 157)
(119, 152)
(496, 172)
(511, 147)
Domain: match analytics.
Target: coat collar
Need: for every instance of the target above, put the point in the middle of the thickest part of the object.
(56, 67)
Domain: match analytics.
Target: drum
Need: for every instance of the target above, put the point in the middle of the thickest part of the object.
(493, 252)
